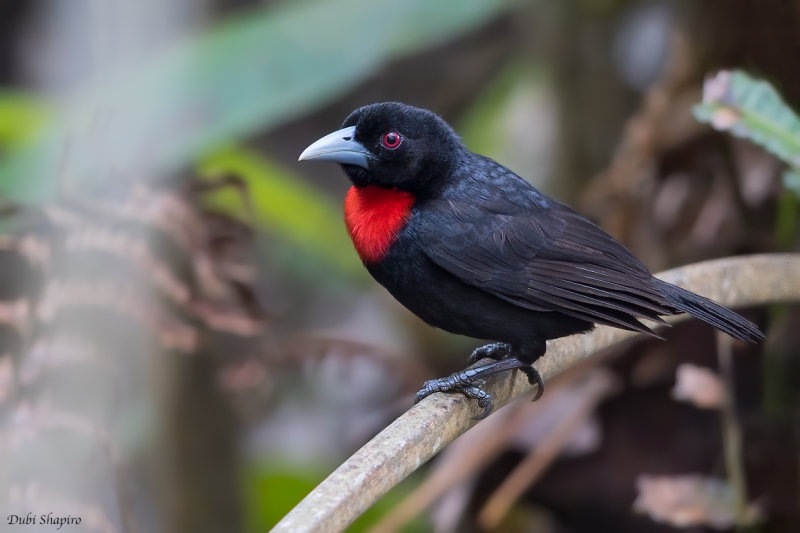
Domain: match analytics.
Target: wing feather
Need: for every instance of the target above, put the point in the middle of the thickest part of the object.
(546, 258)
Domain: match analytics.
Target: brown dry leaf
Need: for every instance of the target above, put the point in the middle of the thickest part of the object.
(692, 500)
(699, 386)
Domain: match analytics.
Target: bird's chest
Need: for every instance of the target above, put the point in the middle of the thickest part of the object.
(374, 218)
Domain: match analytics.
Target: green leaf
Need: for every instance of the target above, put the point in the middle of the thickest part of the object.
(752, 109)
(247, 74)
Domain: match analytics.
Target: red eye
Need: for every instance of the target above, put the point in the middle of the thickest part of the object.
(391, 140)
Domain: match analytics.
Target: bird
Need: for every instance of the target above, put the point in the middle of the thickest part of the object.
(472, 248)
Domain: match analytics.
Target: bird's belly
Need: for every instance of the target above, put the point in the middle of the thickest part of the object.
(444, 301)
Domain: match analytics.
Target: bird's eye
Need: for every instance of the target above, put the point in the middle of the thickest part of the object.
(391, 140)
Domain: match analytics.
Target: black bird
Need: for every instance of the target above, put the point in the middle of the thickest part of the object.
(472, 248)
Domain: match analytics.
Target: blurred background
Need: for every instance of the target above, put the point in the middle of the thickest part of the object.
(188, 341)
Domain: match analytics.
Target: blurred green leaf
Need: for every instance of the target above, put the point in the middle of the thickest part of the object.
(22, 118)
(791, 180)
(270, 493)
(750, 108)
(481, 128)
(498, 123)
(282, 204)
(392, 499)
(247, 74)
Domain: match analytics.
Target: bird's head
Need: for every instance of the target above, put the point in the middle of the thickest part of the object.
(390, 145)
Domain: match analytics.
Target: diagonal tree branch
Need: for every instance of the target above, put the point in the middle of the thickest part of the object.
(426, 428)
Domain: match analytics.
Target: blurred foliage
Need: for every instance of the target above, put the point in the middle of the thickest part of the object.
(750, 108)
(245, 75)
(264, 67)
(791, 180)
(22, 118)
(480, 128)
(499, 123)
(393, 498)
(282, 204)
(272, 491)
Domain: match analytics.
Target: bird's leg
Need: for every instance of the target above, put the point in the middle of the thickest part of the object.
(501, 350)
(493, 350)
(467, 382)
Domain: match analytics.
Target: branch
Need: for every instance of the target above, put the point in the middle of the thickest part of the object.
(426, 428)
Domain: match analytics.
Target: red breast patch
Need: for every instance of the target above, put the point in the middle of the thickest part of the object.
(374, 216)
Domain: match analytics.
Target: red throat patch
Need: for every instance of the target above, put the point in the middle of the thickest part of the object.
(374, 216)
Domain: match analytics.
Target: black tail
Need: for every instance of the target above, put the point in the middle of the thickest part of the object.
(712, 313)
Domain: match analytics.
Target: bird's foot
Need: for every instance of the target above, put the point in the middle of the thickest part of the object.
(493, 350)
(468, 382)
(534, 378)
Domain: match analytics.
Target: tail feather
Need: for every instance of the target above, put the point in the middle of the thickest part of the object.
(712, 313)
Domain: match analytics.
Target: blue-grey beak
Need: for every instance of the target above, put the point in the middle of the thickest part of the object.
(340, 147)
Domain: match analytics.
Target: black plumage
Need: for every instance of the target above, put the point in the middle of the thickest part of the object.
(481, 252)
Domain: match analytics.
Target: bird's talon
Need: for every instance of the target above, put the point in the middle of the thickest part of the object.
(539, 389)
(534, 378)
(486, 404)
(460, 382)
(494, 350)
(426, 390)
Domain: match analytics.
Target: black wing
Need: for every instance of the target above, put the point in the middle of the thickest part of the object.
(543, 257)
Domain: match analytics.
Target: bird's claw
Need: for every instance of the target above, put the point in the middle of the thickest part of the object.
(459, 382)
(464, 382)
(484, 401)
(428, 388)
(534, 378)
(493, 350)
